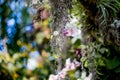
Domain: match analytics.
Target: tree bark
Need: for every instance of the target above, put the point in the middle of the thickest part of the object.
(59, 42)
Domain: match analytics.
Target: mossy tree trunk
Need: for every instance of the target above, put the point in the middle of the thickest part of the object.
(59, 44)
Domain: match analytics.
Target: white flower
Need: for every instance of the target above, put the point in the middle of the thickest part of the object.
(34, 54)
(35, 1)
(68, 64)
(55, 33)
(89, 77)
(53, 77)
(83, 75)
(32, 64)
(68, 61)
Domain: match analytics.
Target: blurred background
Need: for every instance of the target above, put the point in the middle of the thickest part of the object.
(24, 40)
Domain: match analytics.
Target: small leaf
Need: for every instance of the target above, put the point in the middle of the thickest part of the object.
(101, 62)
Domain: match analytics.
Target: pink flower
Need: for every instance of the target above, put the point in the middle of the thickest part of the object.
(70, 30)
(68, 66)
(63, 73)
(71, 65)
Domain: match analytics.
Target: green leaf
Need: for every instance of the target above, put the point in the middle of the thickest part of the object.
(101, 62)
(113, 63)
(86, 63)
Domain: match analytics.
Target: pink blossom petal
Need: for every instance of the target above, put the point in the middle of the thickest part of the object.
(62, 74)
(73, 67)
(70, 30)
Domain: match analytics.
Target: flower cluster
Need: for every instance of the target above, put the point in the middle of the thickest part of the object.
(11, 29)
(68, 67)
